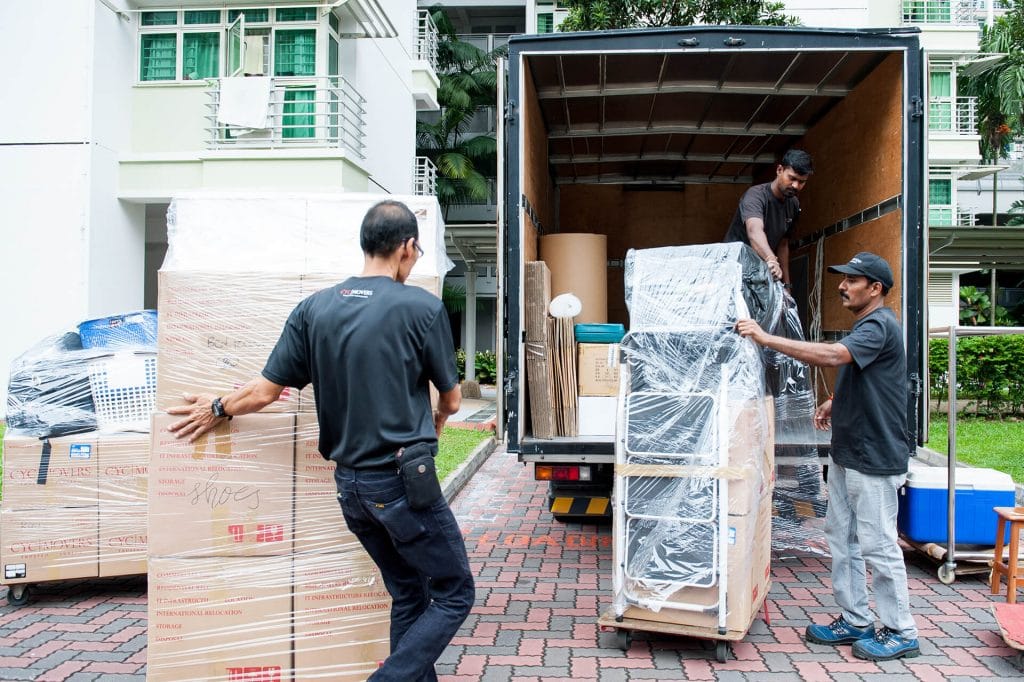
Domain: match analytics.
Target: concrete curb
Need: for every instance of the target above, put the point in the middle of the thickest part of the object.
(457, 479)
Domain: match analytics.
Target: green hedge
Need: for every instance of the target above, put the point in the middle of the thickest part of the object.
(989, 371)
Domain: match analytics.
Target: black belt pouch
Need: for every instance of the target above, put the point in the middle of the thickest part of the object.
(419, 475)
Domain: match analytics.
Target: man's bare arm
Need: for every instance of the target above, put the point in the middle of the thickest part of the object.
(448, 403)
(759, 242)
(817, 354)
(199, 419)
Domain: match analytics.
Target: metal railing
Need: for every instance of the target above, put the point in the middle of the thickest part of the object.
(424, 178)
(948, 215)
(953, 114)
(313, 111)
(426, 38)
(957, 12)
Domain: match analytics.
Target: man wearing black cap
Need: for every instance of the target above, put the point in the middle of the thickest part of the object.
(870, 450)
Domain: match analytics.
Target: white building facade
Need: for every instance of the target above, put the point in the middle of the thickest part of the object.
(105, 130)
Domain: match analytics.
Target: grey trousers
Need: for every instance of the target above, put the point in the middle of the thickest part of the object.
(860, 527)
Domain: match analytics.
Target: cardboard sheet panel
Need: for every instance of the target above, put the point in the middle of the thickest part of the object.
(578, 264)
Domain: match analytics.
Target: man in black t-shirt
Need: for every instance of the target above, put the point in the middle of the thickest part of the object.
(767, 214)
(870, 451)
(369, 346)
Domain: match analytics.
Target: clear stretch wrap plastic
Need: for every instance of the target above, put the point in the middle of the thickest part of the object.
(74, 475)
(252, 571)
(695, 438)
(718, 280)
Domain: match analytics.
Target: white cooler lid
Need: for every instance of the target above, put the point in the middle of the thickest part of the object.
(966, 478)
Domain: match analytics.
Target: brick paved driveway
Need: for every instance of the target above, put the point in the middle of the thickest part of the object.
(541, 586)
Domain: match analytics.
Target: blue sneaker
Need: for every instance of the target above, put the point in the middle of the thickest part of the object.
(885, 646)
(838, 632)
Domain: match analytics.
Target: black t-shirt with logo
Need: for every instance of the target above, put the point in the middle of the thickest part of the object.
(779, 217)
(369, 346)
(869, 411)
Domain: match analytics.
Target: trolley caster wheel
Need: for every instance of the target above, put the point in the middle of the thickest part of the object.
(17, 595)
(946, 575)
(722, 652)
(624, 639)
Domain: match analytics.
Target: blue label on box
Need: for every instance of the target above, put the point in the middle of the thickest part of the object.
(81, 451)
(732, 535)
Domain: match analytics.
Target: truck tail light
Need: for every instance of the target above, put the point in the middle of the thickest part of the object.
(547, 472)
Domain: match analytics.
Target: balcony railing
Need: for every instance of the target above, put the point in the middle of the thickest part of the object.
(956, 12)
(426, 38)
(424, 181)
(323, 111)
(946, 215)
(953, 114)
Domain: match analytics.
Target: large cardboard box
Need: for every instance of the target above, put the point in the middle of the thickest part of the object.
(319, 524)
(220, 619)
(748, 571)
(217, 330)
(48, 544)
(541, 383)
(123, 469)
(65, 476)
(598, 369)
(228, 494)
(123, 545)
(342, 617)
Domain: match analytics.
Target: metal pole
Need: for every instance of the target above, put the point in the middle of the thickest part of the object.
(992, 294)
(950, 564)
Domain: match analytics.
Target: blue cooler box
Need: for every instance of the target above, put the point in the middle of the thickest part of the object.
(924, 509)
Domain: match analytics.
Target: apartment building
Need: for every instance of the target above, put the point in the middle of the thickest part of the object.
(124, 109)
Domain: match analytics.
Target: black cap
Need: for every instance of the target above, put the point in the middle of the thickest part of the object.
(869, 265)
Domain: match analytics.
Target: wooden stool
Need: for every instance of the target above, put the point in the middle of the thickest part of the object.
(1010, 567)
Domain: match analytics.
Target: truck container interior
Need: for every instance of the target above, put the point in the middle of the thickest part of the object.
(653, 145)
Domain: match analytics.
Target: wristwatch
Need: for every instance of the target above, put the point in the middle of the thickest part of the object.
(217, 407)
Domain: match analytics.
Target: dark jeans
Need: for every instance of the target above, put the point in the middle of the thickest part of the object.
(422, 557)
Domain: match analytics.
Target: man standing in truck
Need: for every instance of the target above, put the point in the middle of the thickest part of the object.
(369, 345)
(767, 214)
(870, 453)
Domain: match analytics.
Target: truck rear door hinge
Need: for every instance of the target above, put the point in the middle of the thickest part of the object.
(915, 384)
(510, 111)
(916, 107)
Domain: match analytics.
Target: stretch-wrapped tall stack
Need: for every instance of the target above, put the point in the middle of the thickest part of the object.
(253, 574)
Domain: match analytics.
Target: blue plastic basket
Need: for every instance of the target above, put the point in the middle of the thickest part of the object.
(120, 331)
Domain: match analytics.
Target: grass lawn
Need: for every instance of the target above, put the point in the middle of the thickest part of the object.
(983, 443)
(455, 446)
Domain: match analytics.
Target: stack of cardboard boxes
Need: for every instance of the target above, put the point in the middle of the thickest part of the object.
(73, 506)
(253, 573)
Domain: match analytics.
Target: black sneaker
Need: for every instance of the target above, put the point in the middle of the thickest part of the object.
(838, 632)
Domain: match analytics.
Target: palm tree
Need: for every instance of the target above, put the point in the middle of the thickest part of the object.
(468, 81)
(1000, 90)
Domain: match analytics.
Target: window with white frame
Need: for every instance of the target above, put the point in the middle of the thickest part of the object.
(182, 45)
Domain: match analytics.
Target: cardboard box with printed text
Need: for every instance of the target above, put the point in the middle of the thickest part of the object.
(228, 494)
(60, 472)
(48, 544)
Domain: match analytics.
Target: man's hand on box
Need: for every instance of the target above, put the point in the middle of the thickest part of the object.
(199, 417)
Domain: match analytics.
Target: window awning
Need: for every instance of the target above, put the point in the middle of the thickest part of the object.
(976, 247)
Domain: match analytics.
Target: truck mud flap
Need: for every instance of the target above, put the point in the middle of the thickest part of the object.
(580, 506)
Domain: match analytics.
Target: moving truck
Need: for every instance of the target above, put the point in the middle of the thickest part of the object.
(650, 137)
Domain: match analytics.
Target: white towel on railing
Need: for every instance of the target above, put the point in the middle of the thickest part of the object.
(245, 102)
